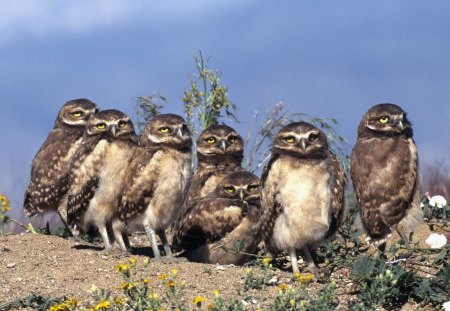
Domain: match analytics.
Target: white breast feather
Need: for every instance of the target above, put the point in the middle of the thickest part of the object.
(170, 190)
(304, 192)
(114, 161)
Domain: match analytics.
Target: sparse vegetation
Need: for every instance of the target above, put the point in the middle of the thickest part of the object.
(402, 274)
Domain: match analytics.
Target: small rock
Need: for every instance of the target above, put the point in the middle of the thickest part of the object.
(222, 268)
(273, 280)
(104, 257)
(19, 279)
(11, 265)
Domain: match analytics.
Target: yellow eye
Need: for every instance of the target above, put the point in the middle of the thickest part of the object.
(383, 120)
(252, 188)
(231, 139)
(101, 126)
(122, 124)
(211, 140)
(77, 114)
(229, 189)
(164, 130)
(289, 139)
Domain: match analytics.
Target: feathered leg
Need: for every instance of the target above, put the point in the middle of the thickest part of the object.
(165, 242)
(152, 238)
(310, 261)
(294, 263)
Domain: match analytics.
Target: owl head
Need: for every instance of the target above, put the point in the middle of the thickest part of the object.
(75, 113)
(243, 185)
(110, 123)
(385, 120)
(218, 140)
(301, 139)
(166, 129)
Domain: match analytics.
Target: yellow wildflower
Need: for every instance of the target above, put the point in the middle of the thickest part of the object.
(4, 200)
(132, 261)
(292, 302)
(303, 278)
(118, 301)
(60, 307)
(174, 272)
(6, 208)
(72, 302)
(198, 300)
(283, 287)
(153, 296)
(163, 276)
(216, 293)
(122, 268)
(126, 285)
(183, 284)
(171, 283)
(145, 281)
(146, 261)
(266, 261)
(103, 305)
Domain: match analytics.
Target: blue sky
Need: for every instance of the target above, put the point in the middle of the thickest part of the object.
(330, 59)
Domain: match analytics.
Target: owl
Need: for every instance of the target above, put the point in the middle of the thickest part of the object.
(303, 186)
(220, 151)
(157, 180)
(47, 190)
(385, 174)
(229, 218)
(98, 171)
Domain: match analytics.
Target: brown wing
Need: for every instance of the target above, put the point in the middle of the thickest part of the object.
(235, 246)
(207, 220)
(50, 171)
(337, 195)
(270, 206)
(84, 178)
(139, 183)
(206, 179)
(384, 174)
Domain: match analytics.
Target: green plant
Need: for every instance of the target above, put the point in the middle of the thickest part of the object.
(207, 99)
(35, 302)
(298, 298)
(147, 107)
(259, 282)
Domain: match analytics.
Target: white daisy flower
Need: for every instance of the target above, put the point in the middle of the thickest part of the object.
(436, 240)
(438, 201)
(446, 306)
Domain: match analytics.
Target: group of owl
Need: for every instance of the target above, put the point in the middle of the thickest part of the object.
(95, 171)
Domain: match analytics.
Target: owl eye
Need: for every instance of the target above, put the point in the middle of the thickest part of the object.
(252, 187)
(164, 129)
(210, 140)
(229, 189)
(122, 124)
(289, 139)
(101, 126)
(77, 113)
(313, 137)
(383, 120)
(231, 139)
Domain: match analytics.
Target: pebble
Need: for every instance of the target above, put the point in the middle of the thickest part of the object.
(11, 265)
(222, 268)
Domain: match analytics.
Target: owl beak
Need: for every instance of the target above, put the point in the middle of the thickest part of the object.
(223, 145)
(113, 130)
(180, 132)
(303, 144)
(241, 195)
(400, 125)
